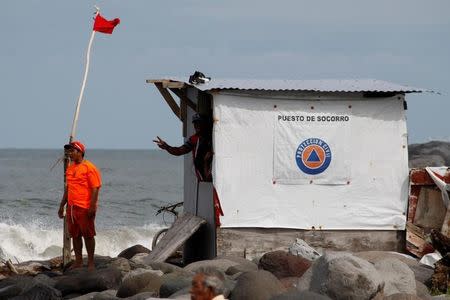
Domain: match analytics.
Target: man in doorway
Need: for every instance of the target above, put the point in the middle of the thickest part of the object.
(83, 182)
(200, 144)
(208, 285)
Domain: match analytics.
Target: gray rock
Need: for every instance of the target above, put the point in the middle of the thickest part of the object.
(435, 153)
(38, 292)
(88, 296)
(422, 291)
(143, 296)
(44, 279)
(18, 283)
(290, 282)
(140, 259)
(85, 282)
(121, 264)
(173, 282)
(165, 267)
(103, 261)
(284, 264)
(421, 272)
(106, 295)
(143, 282)
(181, 293)
(240, 269)
(9, 291)
(245, 263)
(261, 285)
(304, 283)
(341, 275)
(218, 264)
(295, 295)
(132, 251)
(397, 276)
(402, 296)
(141, 271)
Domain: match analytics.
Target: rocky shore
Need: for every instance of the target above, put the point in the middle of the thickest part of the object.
(277, 275)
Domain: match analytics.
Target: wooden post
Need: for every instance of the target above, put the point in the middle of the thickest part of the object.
(66, 237)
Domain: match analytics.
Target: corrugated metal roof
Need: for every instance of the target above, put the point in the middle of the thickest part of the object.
(326, 85)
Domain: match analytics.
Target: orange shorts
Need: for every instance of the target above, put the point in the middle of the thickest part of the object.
(78, 222)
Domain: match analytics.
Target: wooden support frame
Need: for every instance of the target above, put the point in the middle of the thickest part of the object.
(184, 103)
(181, 94)
(169, 99)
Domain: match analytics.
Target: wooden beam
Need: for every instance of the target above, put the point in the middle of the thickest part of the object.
(166, 83)
(169, 99)
(173, 84)
(183, 96)
(182, 229)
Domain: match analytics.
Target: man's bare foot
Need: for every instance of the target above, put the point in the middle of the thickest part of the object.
(91, 267)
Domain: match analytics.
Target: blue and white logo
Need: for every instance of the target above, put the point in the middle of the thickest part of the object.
(313, 156)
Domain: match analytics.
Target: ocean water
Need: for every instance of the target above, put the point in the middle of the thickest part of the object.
(135, 184)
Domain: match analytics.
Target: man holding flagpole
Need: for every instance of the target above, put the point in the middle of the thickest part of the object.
(75, 152)
(83, 182)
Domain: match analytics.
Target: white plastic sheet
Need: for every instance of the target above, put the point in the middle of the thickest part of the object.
(367, 189)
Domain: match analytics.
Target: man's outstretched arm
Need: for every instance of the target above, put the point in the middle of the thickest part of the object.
(177, 151)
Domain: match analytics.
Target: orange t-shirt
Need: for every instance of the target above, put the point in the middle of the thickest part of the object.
(81, 178)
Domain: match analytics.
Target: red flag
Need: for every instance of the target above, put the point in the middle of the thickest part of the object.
(105, 26)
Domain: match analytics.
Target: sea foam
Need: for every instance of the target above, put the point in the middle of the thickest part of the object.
(33, 242)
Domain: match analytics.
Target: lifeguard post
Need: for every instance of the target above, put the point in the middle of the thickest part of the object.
(321, 160)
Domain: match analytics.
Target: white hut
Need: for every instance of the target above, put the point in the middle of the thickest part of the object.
(321, 160)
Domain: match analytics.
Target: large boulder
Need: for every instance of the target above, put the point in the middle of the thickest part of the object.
(402, 296)
(240, 261)
(422, 272)
(132, 251)
(140, 259)
(9, 291)
(139, 283)
(82, 281)
(341, 275)
(44, 279)
(434, 153)
(105, 295)
(261, 285)
(218, 264)
(40, 291)
(397, 276)
(296, 295)
(122, 264)
(284, 264)
(422, 291)
(165, 267)
(18, 285)
(173, 282)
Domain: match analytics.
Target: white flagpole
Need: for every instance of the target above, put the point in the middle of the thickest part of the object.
(66, 253)
(77, 110)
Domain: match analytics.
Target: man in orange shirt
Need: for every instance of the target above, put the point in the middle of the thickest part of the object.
(83, 182)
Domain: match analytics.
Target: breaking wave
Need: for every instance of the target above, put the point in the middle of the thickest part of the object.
(33, 242)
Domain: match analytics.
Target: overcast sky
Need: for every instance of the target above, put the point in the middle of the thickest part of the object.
(43, 46)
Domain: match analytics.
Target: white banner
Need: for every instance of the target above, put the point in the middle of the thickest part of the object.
(312, 147)
(260, 184)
